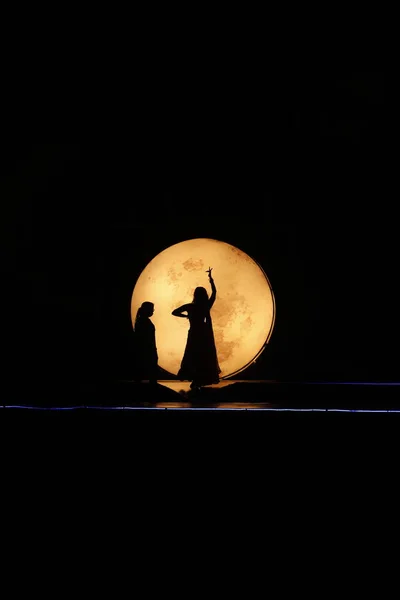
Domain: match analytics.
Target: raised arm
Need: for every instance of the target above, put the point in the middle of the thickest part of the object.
(213, 288)
(178, 312)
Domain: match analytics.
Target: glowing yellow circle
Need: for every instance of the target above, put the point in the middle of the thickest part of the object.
(243, 314)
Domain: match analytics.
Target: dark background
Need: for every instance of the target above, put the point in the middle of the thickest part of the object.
(295, 169)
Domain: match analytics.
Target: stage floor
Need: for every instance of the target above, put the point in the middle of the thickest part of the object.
(167, 424)
(232, 395)
(272, 395)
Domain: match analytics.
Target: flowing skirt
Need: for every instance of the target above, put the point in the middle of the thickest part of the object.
(200, 361)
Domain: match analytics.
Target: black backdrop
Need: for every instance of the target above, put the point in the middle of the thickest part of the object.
(301, 178)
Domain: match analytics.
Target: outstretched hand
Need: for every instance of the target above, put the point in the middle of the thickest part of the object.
(209, 273)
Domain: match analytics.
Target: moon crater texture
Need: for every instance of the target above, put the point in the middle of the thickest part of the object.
(243, 314)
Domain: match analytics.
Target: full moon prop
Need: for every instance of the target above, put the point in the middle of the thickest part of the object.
(243, 314)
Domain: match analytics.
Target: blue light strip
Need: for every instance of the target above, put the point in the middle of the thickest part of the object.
(200, 408)
(366, 383)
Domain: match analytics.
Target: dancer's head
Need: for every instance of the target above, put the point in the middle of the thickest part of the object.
(200, 295)
(145, 310)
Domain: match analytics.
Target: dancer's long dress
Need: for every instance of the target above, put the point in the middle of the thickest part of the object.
(200, 361)
(145, 350)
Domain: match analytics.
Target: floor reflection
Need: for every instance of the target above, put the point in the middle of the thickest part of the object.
(208, 397)
(216, 406)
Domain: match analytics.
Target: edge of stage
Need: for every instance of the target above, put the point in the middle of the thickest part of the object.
(167, 425)
(261, 396)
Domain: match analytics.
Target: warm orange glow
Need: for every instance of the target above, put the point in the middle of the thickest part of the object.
(243, 314)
